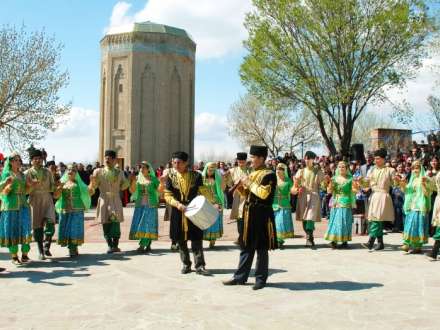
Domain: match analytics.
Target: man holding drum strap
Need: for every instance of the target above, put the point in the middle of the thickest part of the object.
(181, 187)
(259, 233)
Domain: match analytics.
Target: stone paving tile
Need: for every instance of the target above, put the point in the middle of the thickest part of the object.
(307, 289)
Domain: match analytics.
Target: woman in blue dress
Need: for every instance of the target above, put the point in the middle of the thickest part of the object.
(73, 198)
(282, 205)
(145, 195)
(15, 219)
(213, 186)
(416, 207)
(341, 217)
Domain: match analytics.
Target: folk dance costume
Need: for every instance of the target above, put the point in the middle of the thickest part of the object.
(340, 223)
(234, 176)
(41, 203)
(259, 232)
(436, 221)
(281, 205)
(180, 189)
(168, 208)
(307, 185)
(144, 226)
(380, 204)
(73, 198)
(15, 217)
(213, 186)
(416, 207)
(110, 181)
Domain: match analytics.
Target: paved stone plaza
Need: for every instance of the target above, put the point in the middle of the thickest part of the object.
(321, 289)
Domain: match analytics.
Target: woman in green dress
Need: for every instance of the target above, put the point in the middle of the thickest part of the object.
(145, 195)
(416, 207)
(73, 198)
(282, 206)
(343, 201)
(213, 186)
(15, 218)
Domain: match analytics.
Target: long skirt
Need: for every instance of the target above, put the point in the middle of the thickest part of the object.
(216, 230)
(415, 232)
(284, 223)
(144, 223)
(15, 227)
(339, 225)
(71, 228)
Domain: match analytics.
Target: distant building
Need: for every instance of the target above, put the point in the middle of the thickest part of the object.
(147, 93)
(394, 140)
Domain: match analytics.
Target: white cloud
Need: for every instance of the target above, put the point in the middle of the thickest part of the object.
(216, 26)
(212, 139)
(77, 139)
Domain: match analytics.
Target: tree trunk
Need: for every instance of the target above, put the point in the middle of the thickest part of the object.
(328, 141)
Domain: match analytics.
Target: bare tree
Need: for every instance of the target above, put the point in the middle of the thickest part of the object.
(281, 129)
(30, 80)
(434, 111)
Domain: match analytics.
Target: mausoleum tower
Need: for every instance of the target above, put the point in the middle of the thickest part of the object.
(147, 93)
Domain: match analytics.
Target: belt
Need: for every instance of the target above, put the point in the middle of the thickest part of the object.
(109, 193)
(380, 190)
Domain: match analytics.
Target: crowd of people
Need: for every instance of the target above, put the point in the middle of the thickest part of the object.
(390, 193)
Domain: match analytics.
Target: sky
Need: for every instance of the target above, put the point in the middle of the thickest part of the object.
(216, 26)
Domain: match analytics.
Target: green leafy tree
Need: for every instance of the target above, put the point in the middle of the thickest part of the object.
(334, 56)
(30, 81)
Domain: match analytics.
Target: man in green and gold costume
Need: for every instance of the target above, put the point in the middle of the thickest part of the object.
(110, 181)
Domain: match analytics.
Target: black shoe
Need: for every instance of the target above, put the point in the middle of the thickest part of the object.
(380, 245)
(308, 241)
(344, 245)
(25, 259)
(232, 281)
(109, 250)
(435, 249)
(369, 245)
(258, 286)
(2, 269)
(186, 270)
(116, 245)
(140, 249)
(333, 245)
(16, 261)
(202, 271)
(47, 244)
(40, 250)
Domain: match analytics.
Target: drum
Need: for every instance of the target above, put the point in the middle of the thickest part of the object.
(201, 212)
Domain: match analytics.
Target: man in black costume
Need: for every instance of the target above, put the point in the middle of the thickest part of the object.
(181, 187)
(259, 234)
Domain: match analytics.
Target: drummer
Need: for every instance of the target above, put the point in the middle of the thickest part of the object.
(181, 187)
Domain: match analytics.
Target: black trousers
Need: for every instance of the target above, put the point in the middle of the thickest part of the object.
(240, 227)
(197, 250)
(245, 265)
